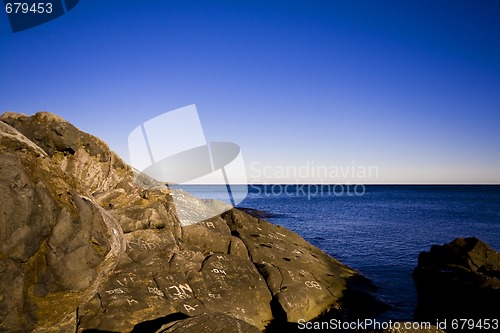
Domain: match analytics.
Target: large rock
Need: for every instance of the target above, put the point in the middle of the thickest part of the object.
(458, 280)
(87, 244)
(56, 244)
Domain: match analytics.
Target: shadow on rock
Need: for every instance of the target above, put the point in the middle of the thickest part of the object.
(155, 324)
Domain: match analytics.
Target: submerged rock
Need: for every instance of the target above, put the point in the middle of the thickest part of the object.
(89, 244)
(458, 280)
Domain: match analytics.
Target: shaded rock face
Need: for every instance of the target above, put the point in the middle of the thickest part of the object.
(88, 244)
(460, 279)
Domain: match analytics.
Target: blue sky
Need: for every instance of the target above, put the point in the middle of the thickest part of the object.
(411, 87)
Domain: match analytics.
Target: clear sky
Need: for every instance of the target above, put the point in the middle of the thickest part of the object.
(411, 88)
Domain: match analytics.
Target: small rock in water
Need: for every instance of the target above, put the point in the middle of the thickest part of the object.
(458, 280)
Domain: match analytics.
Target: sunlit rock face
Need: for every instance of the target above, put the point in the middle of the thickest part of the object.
(87, 243)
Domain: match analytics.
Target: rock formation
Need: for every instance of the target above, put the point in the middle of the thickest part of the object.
(89, 245)
(458, 280)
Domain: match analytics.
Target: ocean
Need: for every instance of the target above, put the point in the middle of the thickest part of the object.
(380, 230)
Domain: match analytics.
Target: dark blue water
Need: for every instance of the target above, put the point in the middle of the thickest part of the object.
(381, 231)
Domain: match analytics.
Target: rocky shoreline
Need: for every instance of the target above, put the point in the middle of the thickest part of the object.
(88, 245)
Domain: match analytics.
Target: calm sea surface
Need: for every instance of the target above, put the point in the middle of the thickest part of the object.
(381, 230)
